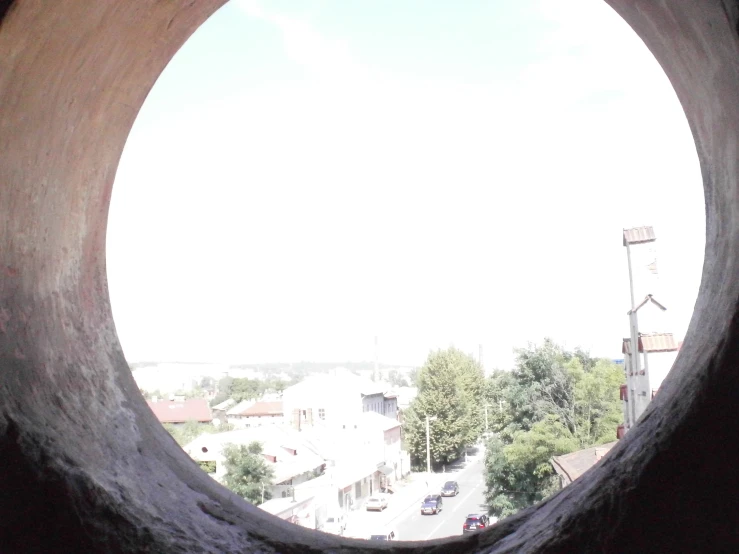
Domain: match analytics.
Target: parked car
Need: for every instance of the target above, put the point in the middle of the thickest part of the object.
(386, 536)
(378, 503)
(475, 522)
(432, 504)
(336, 525)
(450, 488)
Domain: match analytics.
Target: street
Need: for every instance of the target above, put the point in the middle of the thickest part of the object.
(403, 514)
(412, 526)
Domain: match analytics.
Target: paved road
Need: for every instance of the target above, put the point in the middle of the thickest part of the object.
(412, 526)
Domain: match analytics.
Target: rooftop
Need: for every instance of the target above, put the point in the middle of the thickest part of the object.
(573, 465)
(193, 409)
(261, 409)
(650, 343)
(639, 235)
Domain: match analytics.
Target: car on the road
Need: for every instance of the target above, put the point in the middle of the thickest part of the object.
(475, 522)
(378, 503)
(336, 525)
(450, 488)
(432, 504)
(388, 535)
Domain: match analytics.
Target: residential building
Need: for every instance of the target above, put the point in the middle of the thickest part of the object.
(333, 398)
(302, 512)
(253, 414)
(391, 405)
(219, 411)
(571, 466)
(657, 354)
(181, 411)
(290, 459)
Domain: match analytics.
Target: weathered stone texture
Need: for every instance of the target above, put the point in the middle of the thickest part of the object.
(86, 468)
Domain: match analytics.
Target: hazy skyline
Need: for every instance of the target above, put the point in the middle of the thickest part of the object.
(307, 176)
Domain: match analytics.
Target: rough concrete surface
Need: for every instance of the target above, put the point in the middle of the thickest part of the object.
(85, 467)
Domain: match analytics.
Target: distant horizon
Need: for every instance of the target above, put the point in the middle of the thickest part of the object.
(304, 177)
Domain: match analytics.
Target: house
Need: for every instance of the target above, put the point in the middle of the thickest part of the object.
(657, 354)
(219, 411)
(390, 398)
(283, 449)
(334, 398)
(362, 456)
(571, 466)
(303, 512)
(254, 414)
(181, 411)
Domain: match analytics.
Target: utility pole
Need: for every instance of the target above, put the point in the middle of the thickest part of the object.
(377, 365)
(262, 493)
(486, 418)
(637, 235)
(428, 443)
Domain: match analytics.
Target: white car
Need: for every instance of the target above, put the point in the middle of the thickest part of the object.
(378, 503)
(336, 525)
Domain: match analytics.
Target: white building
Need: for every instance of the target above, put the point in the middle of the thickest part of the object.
(250, 413)
(291, 460)
(335, 399)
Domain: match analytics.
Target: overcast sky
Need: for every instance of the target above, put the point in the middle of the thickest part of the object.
(305, 176)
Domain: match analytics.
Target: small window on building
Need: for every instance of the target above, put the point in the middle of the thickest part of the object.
(321, 413)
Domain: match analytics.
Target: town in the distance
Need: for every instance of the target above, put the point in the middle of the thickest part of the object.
(380, 452)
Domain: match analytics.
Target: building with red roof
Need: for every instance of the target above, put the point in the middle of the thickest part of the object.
(181, 411)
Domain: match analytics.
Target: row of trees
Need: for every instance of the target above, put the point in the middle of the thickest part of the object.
(553, 402)
(248, 389)
(451, 389)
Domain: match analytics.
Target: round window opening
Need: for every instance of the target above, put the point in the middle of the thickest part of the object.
(357, 202)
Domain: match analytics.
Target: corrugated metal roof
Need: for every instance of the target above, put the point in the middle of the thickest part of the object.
(263, 408)
(573, 465)
(639, 235)
(657, 342)
(194, 409)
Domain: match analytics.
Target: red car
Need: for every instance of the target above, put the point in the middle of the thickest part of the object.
(475, 522)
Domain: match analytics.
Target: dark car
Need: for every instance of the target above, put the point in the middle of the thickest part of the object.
(475, 522)
(389, 536)
(450, 488)
(432, 504)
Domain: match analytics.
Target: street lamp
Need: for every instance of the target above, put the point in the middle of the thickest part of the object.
(428, 443)
(637, 235)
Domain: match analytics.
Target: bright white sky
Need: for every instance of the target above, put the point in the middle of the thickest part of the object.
(307, 175)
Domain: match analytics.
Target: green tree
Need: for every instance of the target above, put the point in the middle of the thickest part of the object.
(450, 389)
(223, 388)
(553, 402)
(247, 472)
(246, 389)
(413, 377)
(520, 474)
(397, 379)
(185, 433)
